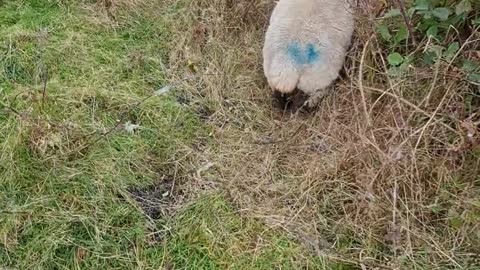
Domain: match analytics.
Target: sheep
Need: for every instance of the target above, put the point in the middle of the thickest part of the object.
(305, 47)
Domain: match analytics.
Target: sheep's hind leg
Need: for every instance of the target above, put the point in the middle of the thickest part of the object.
(299, 102)
(280, 100)
(282, 74)
(293, 102)
(315, 99)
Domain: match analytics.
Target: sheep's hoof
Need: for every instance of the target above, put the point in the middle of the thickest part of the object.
(293, 102)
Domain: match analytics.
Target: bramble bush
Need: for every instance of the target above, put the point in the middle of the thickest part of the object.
(440, 29)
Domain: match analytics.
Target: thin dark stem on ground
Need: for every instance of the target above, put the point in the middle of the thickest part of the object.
(295, 133)
(44, 82)
(10, 109)
(401, 6)
(41, 39)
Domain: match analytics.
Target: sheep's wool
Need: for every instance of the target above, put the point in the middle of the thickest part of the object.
(306, 43)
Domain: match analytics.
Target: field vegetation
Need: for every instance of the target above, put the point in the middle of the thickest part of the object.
(141, 135)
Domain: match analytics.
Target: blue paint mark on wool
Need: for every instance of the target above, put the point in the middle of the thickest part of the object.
(296, 53)
(312, 54)
(303, 56)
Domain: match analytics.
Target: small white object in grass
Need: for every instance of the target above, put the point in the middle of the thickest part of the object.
(130, 128)
(397, 154)
(163, 90)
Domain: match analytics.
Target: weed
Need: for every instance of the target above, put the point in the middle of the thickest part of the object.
(439, 25)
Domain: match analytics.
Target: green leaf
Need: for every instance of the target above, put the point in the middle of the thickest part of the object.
(476, 21)
(395, 72)
(401, 35)
(463, 7)
(474, 77)
(441, 13)
(427, 14)
(382, 29)
(411, 11)
(429, 58)
(432, 31)
(422, 5)
(404, 66)
(433, 54)
(425, 24)
(392, 13)
(395, 59)
(436, 209)
(470, 66)
(454, 20)
(452, 50)
(437, 49)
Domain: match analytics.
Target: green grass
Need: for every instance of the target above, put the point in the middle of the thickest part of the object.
(64, 198)
(210, 235)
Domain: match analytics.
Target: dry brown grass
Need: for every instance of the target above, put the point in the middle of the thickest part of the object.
(383, 174)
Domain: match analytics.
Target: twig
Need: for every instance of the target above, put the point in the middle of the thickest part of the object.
(440, 105)
(10, 109)
(394, 216)
(41, 38)
(44, 81)
(468, 41)
(360, 84)
(426, 100)
(295, 133)
(401, 6)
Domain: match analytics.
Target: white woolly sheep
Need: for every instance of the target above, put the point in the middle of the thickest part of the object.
(305, 45)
